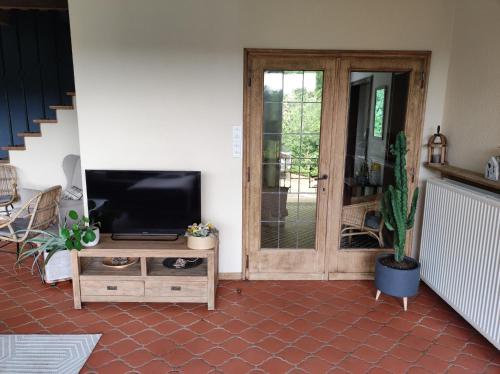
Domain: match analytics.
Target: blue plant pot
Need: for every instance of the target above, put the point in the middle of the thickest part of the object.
(396, 282)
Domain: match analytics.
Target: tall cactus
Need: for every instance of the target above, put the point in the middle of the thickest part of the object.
(395, 201)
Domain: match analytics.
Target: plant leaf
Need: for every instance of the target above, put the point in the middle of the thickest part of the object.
(65, 233)
(88, 237)
(73, 215)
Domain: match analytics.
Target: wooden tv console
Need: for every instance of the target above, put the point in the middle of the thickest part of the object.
(147, 280)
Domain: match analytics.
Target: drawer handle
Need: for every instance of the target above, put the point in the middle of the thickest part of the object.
(112, 288)
(175, 288)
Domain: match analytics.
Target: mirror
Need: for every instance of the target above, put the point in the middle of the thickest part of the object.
(377, 112)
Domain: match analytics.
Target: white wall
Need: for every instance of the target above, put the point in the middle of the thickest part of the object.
(159, 82)
(41, 165)
(472, 111)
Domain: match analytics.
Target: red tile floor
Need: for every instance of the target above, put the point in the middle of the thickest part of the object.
(258, 327)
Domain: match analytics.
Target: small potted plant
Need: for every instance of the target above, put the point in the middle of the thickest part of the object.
(201, 236)
(397, 274)
(87, 225)
(69, 237)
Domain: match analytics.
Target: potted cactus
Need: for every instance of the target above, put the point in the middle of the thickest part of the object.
(397, 274)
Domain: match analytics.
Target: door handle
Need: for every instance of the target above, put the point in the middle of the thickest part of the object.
(322, 178)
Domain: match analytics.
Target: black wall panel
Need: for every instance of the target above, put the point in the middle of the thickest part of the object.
(36, 71)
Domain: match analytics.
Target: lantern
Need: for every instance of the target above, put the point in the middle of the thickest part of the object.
(437, 148)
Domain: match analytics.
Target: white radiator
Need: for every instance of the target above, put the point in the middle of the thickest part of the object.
(460, 252)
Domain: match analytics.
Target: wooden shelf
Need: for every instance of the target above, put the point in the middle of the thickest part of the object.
(155, 268)
(94, 266)
(466, 176)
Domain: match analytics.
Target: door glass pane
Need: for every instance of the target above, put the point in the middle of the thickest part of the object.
(377, 112)
(290, 156)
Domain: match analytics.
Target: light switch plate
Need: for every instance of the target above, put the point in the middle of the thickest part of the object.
(237, 141)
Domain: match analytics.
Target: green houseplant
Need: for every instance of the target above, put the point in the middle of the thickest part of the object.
(397, 274)
(69, 237)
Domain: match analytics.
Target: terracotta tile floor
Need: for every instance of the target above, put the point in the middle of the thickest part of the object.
(259, 327)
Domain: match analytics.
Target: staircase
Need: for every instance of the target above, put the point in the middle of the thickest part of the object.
(41, 162)
(35, 134)
(36, 76)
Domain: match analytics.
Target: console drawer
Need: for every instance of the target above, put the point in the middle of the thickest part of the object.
(112, 288)
(176, 288)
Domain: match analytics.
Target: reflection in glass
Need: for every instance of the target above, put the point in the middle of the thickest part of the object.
(377, 112)
(293, 86)
(273, 86)
(290, 155)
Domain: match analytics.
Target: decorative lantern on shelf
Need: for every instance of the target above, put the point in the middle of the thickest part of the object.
(437, 148)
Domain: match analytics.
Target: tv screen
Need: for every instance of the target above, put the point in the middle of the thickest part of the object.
(144, 202)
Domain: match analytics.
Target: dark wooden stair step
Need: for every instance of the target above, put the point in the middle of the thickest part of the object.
(44, 120)
(4, 160)
(13, 148)
(71, 93)
(29, 134)
(61, 107)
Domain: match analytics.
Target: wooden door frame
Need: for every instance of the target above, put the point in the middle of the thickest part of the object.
(359, 263)
(287, 263)
(420, 57)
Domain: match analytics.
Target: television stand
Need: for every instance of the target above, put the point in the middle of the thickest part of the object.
(146, 237)
(146, 279)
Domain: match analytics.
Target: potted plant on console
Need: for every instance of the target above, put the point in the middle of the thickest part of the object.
(397, 274)
(47, 243)
(201, 236)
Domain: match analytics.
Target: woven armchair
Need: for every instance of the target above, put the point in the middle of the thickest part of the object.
(354, 220)
(39, 213)
(8, 187)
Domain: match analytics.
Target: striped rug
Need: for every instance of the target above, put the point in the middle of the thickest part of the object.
(29, 354)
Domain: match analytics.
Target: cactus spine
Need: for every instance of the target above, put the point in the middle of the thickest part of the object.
(395, 201)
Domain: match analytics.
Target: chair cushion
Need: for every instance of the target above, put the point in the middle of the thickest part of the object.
(372, 220)
(17, 225)
(5, 198)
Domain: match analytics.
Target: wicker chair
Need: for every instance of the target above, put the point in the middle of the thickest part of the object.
(39, 213)
(354, 220)
(8, 187)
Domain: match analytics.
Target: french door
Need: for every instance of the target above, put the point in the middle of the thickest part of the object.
(314, 122)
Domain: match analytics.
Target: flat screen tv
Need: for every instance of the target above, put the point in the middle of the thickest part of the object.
(144, 202)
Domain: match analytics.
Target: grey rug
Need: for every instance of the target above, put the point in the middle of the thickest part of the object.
(29, 354)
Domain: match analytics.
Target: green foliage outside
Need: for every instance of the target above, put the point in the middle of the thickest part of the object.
(295, 118)
(304, 148)
(378, 124)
